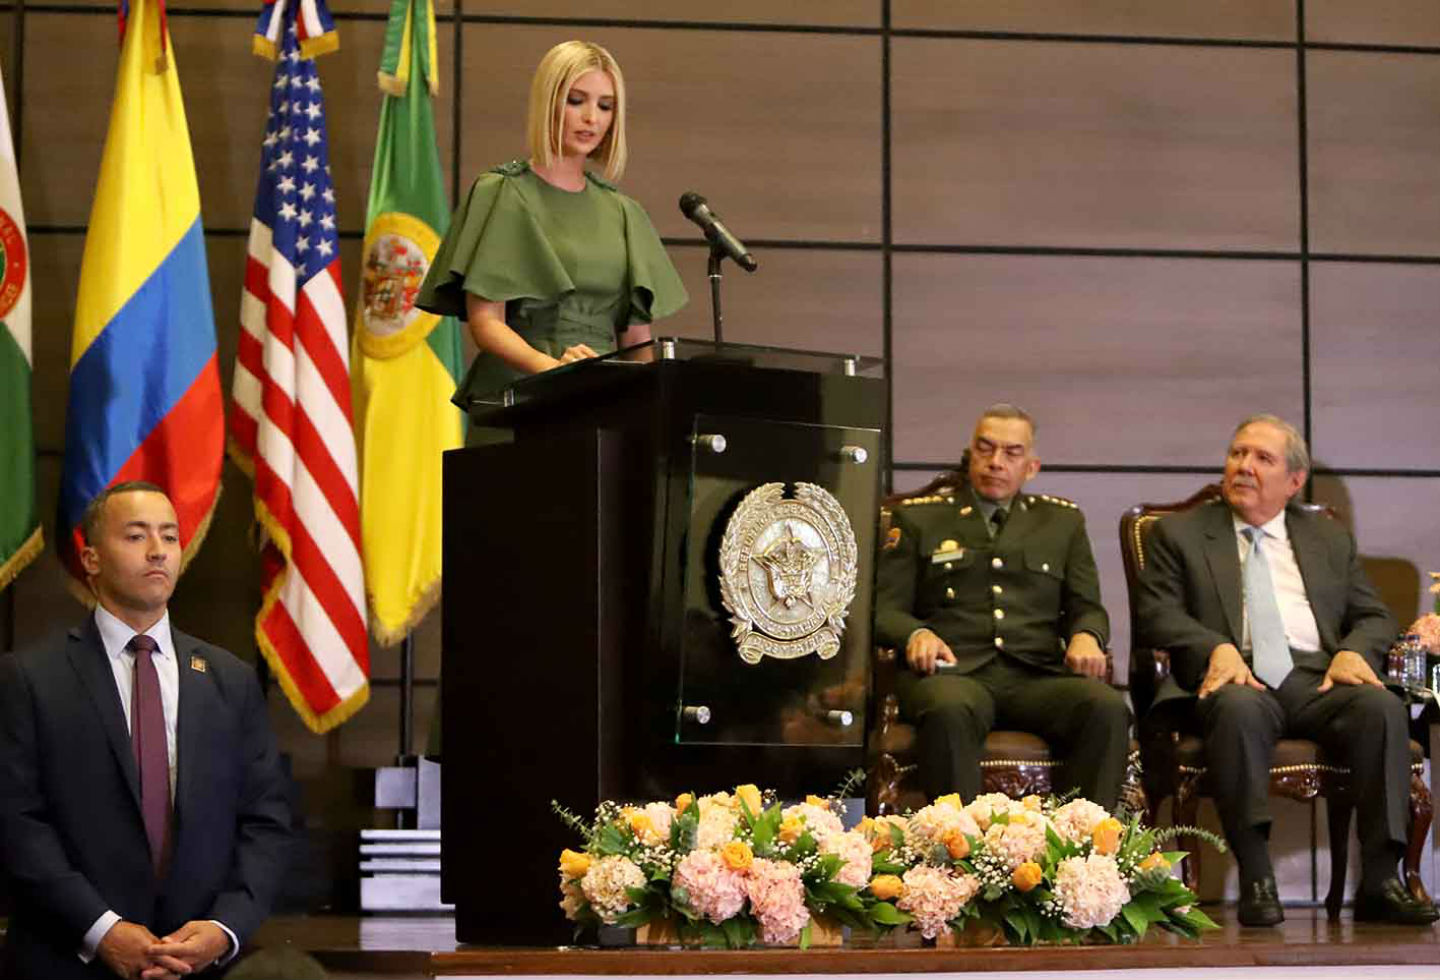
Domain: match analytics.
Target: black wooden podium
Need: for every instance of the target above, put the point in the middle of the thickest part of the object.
(588, 650)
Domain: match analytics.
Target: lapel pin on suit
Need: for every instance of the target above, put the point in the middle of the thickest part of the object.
(199, 665)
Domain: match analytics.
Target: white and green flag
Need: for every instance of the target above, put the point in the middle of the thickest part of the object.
(20, 538)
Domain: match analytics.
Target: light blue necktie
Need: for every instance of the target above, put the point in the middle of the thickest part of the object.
(1269, 649)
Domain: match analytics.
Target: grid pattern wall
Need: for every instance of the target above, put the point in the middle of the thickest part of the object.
(1139, 220)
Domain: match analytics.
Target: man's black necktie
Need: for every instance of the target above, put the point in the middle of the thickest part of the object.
(997, 521)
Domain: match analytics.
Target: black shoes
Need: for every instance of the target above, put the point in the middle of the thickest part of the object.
(1393, 903)
(1260, 904)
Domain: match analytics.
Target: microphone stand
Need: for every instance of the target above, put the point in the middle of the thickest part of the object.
(713, 273)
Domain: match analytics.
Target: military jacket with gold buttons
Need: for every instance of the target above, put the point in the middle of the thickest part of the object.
(1023, 594)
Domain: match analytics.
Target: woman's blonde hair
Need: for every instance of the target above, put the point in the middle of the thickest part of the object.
(558, 70)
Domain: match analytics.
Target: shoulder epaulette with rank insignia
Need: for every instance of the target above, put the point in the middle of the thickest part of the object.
(1050, 498)
(935, 498)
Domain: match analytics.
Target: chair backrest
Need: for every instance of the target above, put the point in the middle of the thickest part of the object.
(1147, 669)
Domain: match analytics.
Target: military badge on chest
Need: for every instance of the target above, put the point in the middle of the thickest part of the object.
(788, 568)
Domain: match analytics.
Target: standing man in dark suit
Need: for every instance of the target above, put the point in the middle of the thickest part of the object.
(994, 597)
(143, 819)
(1270, 620)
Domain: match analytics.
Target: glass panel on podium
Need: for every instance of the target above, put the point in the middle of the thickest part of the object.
(778, 556)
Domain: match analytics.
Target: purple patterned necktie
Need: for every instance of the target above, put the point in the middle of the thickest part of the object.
(152, 758)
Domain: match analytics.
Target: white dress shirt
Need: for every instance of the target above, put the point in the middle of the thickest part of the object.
(115, 635)
(1295, 612)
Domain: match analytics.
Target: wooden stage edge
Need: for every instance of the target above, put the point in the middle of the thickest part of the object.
(404, 946)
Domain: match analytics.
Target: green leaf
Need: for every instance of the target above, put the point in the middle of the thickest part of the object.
(739, 932)
(634, 918)
(612, 840)
(888, 915)
(1136, 918)
(1017, 921)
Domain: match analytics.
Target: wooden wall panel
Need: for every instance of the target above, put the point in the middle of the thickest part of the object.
(1373, 21)
(1037, 143)
(1262, 20)
(66, 114)
(1375, 342)
(1374, 142)
(811, 300)
(1394, 525)
(780, 131)
(54, 275)
(830, 13)
(1122, 361)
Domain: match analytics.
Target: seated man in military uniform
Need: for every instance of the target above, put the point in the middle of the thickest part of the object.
(994, 597)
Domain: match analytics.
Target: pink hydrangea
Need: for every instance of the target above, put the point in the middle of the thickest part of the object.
(1020, 840)
(820, 821)
(777, 900)
(930, 825)
(1427, 627)
(934, 896)
(984, 807)
(1075, 820)
(713, 891)
(605, 885)
(854, 850)
(1090, 890)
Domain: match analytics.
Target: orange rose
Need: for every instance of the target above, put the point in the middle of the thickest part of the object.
(1027, 876)
(574, 864)
(949, 799)
(886, 887)
(1155, 860)
(1106, 836)
(957, 844)
(790, 829)
(737, 855)
(819, 801)
(682, 802)
(750, 795)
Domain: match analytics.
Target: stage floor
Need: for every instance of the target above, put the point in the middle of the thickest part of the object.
(1306, 944)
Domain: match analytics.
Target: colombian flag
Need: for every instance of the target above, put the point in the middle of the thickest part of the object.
(144, 383)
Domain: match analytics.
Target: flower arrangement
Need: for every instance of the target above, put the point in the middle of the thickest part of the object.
(729, 869)
(1427, 627)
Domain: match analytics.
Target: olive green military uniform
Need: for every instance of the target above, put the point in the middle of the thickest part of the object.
(1007, 607)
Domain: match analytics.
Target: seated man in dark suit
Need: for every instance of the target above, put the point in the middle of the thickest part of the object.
(143, 819)
(1270, 620)
(998, 590)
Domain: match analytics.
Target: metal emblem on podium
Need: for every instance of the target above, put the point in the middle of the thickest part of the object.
(788, 567)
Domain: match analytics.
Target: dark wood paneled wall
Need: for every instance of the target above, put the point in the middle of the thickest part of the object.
(1141, 220)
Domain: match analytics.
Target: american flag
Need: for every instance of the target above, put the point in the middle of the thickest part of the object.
(291, 425)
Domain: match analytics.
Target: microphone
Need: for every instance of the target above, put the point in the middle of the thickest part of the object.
(694, 207)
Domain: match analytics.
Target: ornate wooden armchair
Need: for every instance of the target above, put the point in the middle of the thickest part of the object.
(1172, 757)
(1012, 762)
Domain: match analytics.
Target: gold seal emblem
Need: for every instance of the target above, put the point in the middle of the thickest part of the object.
(788, 567)
(397, 255)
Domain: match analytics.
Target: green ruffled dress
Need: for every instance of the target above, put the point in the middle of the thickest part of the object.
(572, 267)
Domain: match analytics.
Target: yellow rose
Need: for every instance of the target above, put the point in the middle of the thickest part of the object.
(1106, 836)
(886, 887)
(949, 799)
(750, 795)
(737, 855)
(1020, 818)
(644, 828)
(574, 864)
(682, 802)
(1027, 876)
(819, 801)
(1031, 802)
(790, 829)
(957, 844)
(866, 826)
(1155, 860)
